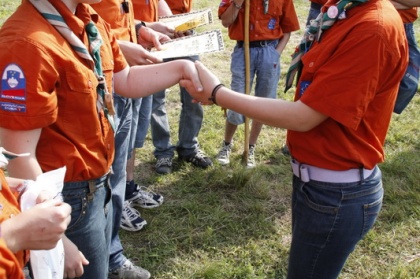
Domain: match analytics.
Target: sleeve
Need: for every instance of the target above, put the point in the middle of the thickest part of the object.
(9, 265)
(27, 96)
(224, 4)
(289, 21)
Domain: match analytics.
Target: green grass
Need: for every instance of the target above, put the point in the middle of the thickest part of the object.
(228, 222)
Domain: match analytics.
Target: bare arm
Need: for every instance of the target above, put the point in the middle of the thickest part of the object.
(405, 4)
(229, 16)
(135, 54)
(141, 81)
(283, 42)
(277, 113)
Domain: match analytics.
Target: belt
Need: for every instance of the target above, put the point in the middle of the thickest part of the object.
(255, 43)
(91, 185)
(308, 172)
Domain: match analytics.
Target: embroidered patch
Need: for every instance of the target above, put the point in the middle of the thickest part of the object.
(13, 83)
(272, 24)
(303, 86)
(12, 107)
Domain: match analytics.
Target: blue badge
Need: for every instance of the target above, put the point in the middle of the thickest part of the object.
(12, 107)
(13, 83)
(272, 24)
(303, 85)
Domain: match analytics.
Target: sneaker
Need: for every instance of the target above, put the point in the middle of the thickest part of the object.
(251, 158)
(129, 271)
(200, 159)
(224, 153)
(164, 165)
(145, 198)
(130, 219)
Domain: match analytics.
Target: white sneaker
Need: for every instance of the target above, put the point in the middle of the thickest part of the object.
(224, 153)
(145, 198)
(129, 271)
(130, 219)
(251, 158)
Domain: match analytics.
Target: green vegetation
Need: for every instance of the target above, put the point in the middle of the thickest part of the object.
(233, 223)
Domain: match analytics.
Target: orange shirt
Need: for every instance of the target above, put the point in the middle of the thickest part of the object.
(11, 265)
(352, 76)
(57, 90)
(179, 6)
(409, 15)
(146, 10)
(281, 18)
(122, 22)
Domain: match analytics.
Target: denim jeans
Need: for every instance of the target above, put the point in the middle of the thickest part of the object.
(144, 112)
(90, 226)
(265, 66)
(328, 219)
(122, 118)
(410, 82)
(314, 11)
(190, 122)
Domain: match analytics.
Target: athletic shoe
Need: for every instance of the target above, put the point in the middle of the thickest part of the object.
(129, 271)
(145, 198)
(251, 158)
(130, 219)
(164, 165)
(199, 159)
(224, 154)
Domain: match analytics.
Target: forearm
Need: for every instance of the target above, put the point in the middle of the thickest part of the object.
(277, 113)
(406, 4)
(283, 42)
(142, 81)
(231, 13)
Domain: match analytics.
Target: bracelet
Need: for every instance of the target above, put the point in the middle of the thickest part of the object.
(236, 5)
(213, 93)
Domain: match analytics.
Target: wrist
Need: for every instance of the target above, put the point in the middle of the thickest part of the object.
(214, 92)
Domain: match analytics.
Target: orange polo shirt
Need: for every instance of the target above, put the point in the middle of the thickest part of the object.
(45, 84)
(11, 265)
(179, 6)
(352, 75)
(146, 10)
(409, 15)
(121, 21)
(281, 18)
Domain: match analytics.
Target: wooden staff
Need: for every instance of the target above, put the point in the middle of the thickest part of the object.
(247, 78)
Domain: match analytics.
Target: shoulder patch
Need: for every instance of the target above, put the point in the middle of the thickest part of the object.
(13, 83)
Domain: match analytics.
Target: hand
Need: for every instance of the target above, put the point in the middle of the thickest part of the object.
(136, 55)
(191, 76)
(74, 260)
(149, 38)
(163, 28)
(208, 82)
(38, 228)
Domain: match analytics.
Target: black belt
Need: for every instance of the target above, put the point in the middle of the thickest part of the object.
(256, 43)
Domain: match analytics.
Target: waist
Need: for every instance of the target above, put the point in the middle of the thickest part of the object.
(307, 172)
(91, 184)
(253, 44)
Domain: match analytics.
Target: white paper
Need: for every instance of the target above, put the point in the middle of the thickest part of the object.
(46, 264)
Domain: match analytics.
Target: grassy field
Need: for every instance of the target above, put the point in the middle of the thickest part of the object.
(228, 222)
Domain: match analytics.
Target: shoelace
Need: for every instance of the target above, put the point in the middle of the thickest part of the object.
(132, 213)
(164, 161)
(199, 155)
(146, 192)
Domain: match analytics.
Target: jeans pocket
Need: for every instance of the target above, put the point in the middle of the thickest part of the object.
(78, 203)
(370, 214)
(319, 200)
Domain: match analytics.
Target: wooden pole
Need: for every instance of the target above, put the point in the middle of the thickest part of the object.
(247, 78)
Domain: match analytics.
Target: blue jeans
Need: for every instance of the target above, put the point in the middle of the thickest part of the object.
(90, 226)
(123, 121)
(314, 11)
(141, 126)
(410, 82)
(190, 122)
(328, 219)
(265, 66)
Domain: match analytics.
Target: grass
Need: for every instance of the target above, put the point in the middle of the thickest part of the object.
(229, 222)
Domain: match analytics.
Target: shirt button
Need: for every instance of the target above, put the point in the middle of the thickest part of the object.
(311, 64)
